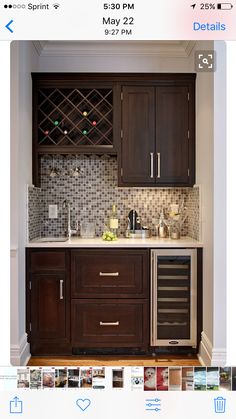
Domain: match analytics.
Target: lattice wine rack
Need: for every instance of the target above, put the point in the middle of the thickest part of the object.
(75, 117)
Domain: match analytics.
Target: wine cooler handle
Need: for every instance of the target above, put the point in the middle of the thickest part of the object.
(151, 165)
(61, 289)
(158, 165)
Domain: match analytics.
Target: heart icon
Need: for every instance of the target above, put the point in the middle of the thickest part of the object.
(83, 404)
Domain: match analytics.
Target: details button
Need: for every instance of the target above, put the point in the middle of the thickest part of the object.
(217, 26)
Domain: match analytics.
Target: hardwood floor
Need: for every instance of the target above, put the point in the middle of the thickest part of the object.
(165, 360)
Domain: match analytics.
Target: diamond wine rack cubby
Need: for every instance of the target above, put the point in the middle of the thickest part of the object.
(73, 113)
(75, 117)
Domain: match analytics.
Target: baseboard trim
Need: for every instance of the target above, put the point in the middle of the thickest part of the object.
(20, 354)
(209, 356)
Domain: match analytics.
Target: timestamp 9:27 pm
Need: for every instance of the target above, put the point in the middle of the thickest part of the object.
(113, 32)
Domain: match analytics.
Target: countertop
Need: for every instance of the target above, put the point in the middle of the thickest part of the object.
(97, 242)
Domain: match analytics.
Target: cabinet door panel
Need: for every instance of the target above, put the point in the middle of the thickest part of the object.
(172, 142)
(138, 143)
(47, 260)
(109, 323)
(48, 306)
(112, 273)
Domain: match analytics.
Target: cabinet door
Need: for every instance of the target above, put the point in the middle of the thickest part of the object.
(112, 273)
(109, 323)
(48, 306)
(172, 135)
(138, 140)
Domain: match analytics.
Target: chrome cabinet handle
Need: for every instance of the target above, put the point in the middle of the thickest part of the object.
(158, 165)
(108, 273)
(109, 323)
(61, 289)
(151, 165)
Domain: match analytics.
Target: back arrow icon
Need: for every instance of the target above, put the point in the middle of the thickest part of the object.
(8, 26)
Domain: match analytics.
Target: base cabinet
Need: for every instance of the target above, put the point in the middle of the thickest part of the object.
(48, 317)
(109, 323)
(48, 321)
(110, 298)
(98, 300)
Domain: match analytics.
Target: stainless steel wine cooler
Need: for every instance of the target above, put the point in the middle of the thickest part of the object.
(174, 297)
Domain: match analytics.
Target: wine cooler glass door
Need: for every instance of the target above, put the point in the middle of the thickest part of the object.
(173, 297)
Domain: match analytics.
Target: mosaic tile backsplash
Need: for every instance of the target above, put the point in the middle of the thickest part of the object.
(90, 185)
(34, 218)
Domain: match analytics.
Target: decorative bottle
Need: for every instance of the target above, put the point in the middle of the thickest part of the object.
(113, 221)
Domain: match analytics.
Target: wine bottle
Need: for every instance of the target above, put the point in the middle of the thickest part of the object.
(85, 131)
(94, 123)
(113, 220)
(84, 113)
(56, 122)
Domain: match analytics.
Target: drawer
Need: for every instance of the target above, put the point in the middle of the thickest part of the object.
(41, 260)
(109, 273)
(105, 323)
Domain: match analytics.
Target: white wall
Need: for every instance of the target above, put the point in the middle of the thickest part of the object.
(23, 60)
(220, 280)
(211, 161)
(204, 177)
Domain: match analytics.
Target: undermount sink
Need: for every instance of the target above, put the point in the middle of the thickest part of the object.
(52, 239)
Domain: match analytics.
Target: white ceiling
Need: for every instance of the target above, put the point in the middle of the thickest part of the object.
(181, 49)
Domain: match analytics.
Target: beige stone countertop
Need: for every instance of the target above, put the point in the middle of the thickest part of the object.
(97, 242)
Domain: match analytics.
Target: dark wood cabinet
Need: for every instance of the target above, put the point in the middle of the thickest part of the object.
(173, 141)
(73, 294)
(110, 274)
(148, 120)
(138, 135)
(110, 298)
(72, 114)
(157, 146)
(72, 309)
(48, 301)
(48, 321)
(110, 323)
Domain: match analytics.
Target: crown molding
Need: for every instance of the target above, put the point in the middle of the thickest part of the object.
(39, 46)
(167, 49)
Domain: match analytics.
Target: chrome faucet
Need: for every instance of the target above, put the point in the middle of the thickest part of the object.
(70, 231)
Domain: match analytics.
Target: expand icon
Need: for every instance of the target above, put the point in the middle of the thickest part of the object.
(83, 404)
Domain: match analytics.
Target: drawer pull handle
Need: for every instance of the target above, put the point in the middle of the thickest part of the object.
(109, 323)
(108, 273)
(61, 289)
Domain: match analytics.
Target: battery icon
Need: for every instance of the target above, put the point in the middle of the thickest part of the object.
(224, 6)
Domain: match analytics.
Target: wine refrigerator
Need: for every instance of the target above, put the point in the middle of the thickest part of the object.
(174, 297)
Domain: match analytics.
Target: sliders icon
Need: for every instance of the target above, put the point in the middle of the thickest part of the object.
(153, 404)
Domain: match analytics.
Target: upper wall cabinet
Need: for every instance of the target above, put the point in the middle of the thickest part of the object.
(73, 114)
(157, 146)
(147, 119)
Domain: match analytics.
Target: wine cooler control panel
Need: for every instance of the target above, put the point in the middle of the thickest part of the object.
(174, 297)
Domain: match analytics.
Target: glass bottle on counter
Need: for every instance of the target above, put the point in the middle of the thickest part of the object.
(162, 226)
(113, 221)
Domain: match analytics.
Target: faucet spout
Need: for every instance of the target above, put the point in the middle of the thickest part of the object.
(66, 204)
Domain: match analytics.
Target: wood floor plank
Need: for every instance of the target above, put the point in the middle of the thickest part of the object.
(144, 361)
